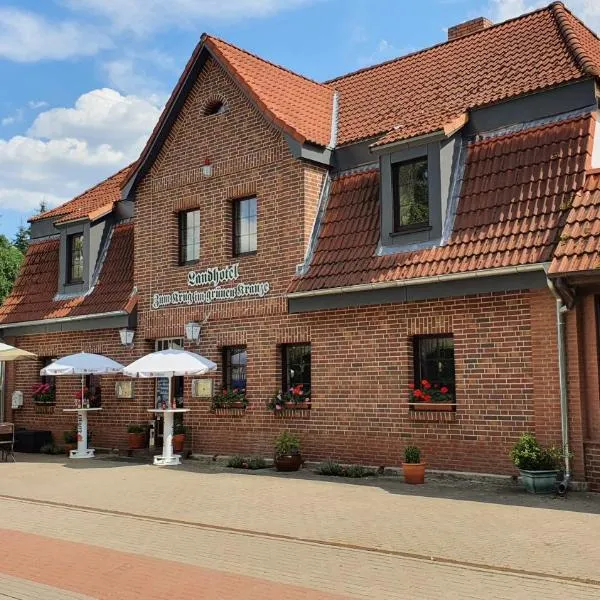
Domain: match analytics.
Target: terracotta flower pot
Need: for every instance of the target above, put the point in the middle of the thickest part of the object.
(414, 473)
(178, 442)
(137, 441)
(289, 462)
(434, 406)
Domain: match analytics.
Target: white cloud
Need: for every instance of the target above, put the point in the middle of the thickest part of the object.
(28, 37)
(16, 117)
(66, 150)
(587, 10)
(144, 16)
(35, 104)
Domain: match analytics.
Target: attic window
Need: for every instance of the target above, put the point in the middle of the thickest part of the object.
(216, 107)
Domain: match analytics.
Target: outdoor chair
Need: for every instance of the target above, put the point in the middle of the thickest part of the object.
(7, 441)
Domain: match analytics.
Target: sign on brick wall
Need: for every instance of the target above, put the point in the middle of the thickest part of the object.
(218, 280)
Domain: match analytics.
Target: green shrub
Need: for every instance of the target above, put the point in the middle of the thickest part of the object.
(528, 455)
(51, 449)
(70, 437)
(136, 429)
(287, 444)
(412, 455)
(331, 468)
(256, 463)
(356, 472)
(236, 462)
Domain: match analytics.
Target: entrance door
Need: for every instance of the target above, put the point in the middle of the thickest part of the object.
(161, 390)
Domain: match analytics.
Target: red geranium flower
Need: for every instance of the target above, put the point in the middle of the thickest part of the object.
(444, 390)
(411, 386)
(426, 398)
(425, 384)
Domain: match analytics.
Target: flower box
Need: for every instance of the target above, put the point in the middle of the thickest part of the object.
(44, 408)
(297, 405)
(433, 406)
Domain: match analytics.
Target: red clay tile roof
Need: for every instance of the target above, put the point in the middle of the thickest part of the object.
(579, 246)
(32, 297)
(417, 94)
(299, 105)
(93, 203)
(516, 189)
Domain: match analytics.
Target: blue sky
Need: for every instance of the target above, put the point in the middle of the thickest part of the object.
(85, 80)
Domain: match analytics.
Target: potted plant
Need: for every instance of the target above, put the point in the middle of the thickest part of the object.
(412, 467)
(70, 438)
(427, 396)
(294, 398)
(136, 436)
(234, 398)
(287, 452)
(539, 466)
(179, 432)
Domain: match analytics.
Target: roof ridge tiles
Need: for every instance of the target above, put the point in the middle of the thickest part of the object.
(208, 36)
(492, 27)
(562, 16)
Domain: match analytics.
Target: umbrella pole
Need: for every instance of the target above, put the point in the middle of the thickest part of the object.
(168, 429)
(81, 426)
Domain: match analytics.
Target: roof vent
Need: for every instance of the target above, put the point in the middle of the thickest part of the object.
(468, 27)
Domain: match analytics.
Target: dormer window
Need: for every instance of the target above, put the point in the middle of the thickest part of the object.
(410, 188)
(75, 258)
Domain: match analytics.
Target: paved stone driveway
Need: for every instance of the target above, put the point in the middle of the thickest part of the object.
(118, 530)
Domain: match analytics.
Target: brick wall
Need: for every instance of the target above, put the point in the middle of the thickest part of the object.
(109, 427)
(505, 344)
(592, 465)
(361, 367)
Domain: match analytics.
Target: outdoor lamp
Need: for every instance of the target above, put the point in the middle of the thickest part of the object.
(127, 336)
(192, 331)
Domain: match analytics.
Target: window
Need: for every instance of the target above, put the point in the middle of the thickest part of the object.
(216, 107)
(75, 258)
(244, 226)
(94, 392)
(189, 236)
(411, 195)
(295, 359)
(434, 360)
(235, 360)
(161, 389)
(50, 379)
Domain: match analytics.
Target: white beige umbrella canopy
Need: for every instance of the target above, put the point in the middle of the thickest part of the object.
(10, 353)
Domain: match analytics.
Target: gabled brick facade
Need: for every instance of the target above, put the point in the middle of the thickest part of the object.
(319, 234)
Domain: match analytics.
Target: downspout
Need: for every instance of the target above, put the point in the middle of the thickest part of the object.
(562, 308)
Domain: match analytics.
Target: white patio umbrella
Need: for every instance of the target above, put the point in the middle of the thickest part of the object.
(169, 364)
(9, 353)
(82, 364)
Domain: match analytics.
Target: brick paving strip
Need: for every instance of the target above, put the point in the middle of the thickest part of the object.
(108, 574)
(331, 544)
(120, 542)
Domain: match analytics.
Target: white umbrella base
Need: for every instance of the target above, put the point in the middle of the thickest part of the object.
(87, 453)
(167, 461)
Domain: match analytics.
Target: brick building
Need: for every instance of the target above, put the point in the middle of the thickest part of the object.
(433, 217)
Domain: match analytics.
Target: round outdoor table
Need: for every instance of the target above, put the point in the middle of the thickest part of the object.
(167, 457)
(82, 450)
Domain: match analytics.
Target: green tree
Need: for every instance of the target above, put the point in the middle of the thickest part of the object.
(10, 261)
(21, 240)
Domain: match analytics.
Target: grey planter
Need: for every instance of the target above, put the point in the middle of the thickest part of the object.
(539, 482)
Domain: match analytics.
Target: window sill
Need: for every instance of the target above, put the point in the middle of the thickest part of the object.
(433, 406)
(242, 254)
(410, 229)
(188, 263)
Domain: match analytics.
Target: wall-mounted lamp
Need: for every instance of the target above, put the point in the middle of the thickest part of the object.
(192, 331)
(207, 168)
(127, 336)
